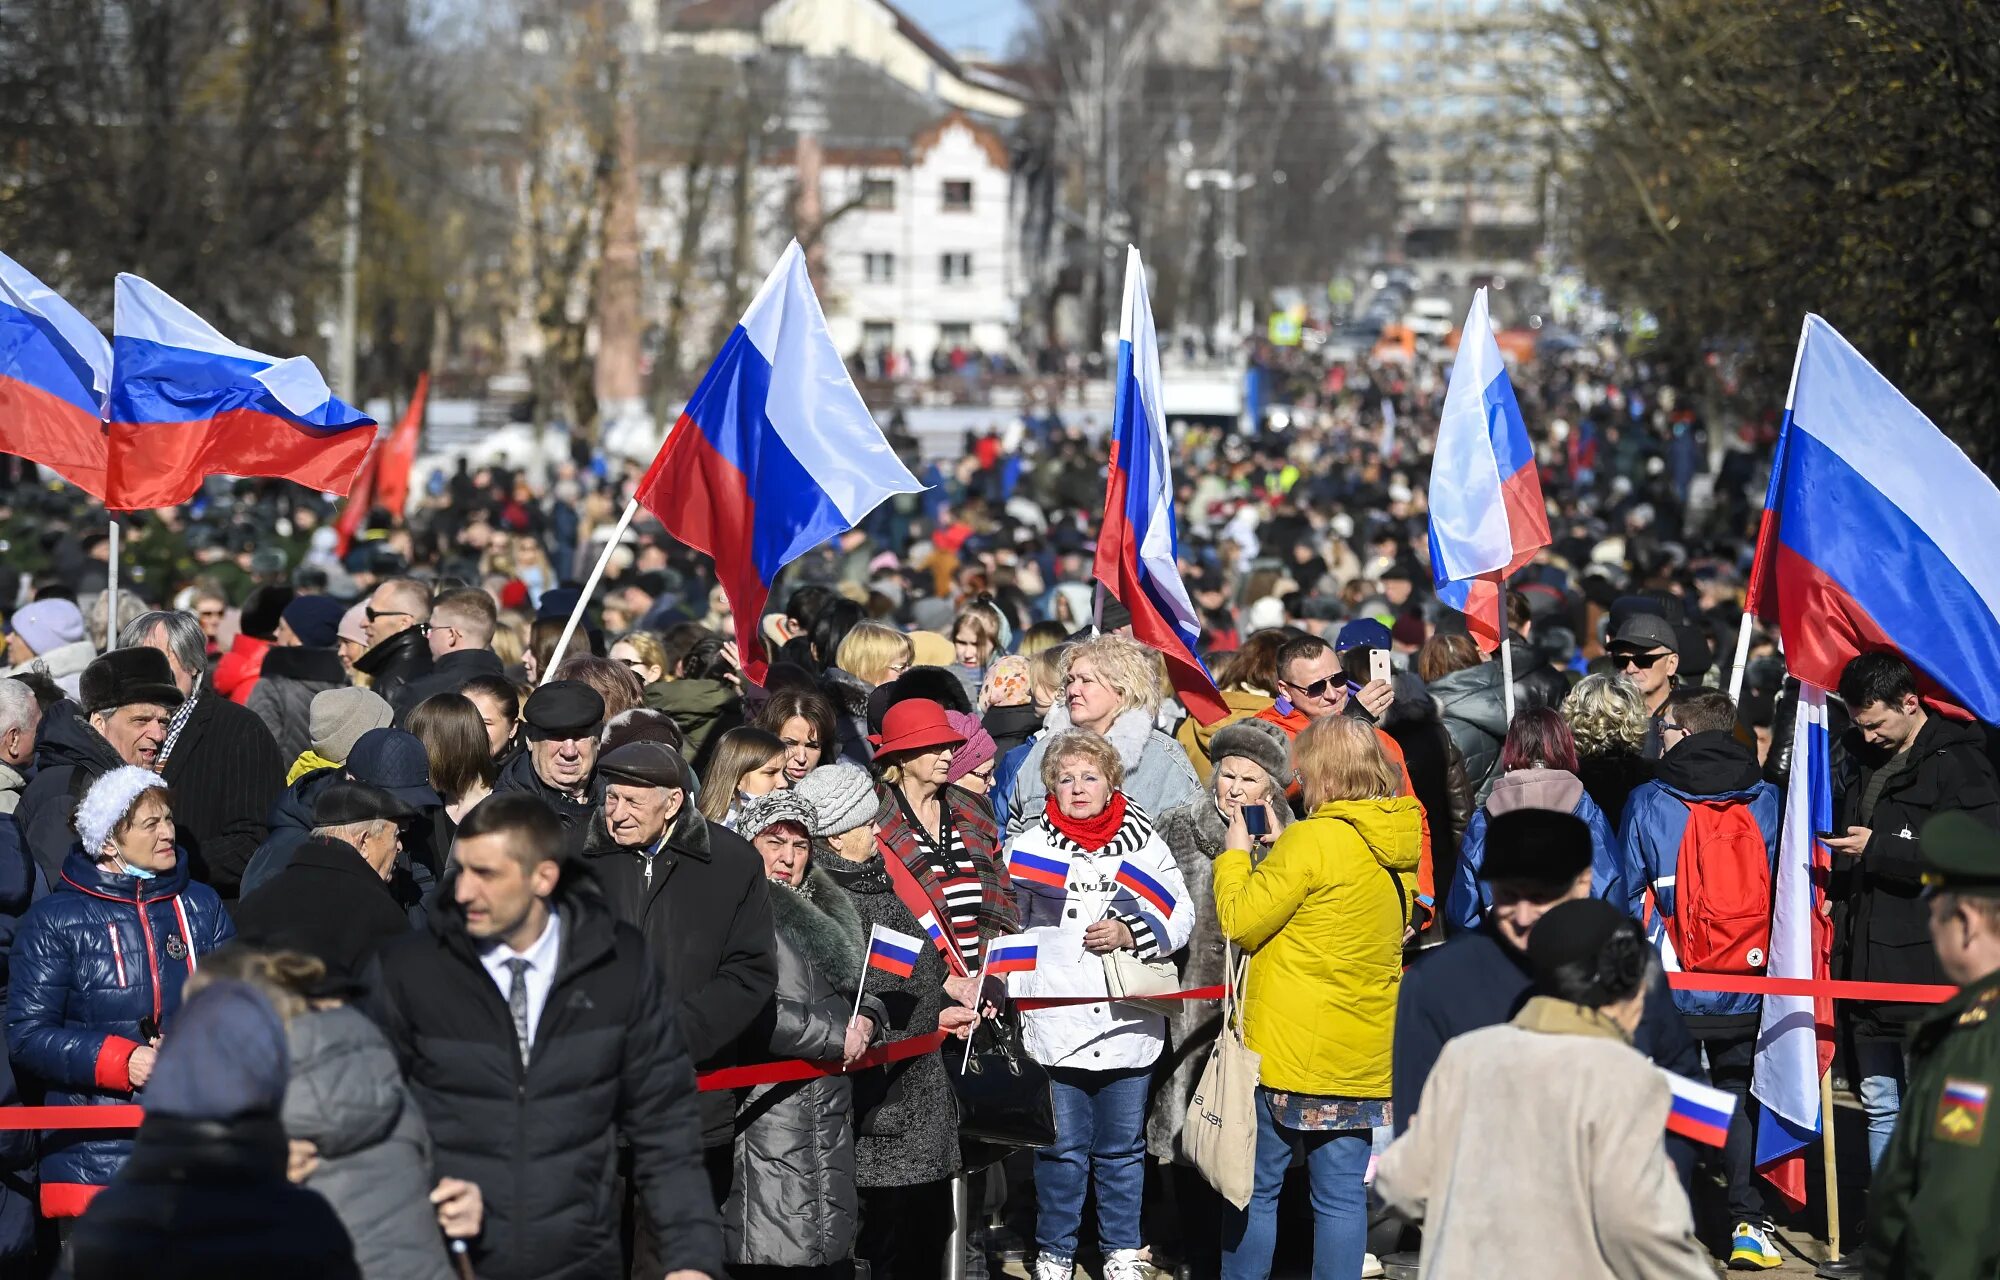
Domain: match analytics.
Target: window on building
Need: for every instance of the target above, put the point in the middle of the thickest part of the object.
(878, 268)
(954, 268)
(954, 335)
(878, 335)
(878, 193)
(1389, 72)
(958, 196)
(1389, 38)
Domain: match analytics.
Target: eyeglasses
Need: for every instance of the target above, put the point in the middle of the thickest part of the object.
(1641, 661)
(1668, 726)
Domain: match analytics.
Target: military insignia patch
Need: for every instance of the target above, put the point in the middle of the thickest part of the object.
(176, 949)
(1961, 1113)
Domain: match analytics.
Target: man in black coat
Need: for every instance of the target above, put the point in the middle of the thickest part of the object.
(398, 651)
(221, 761)
(461, 635)
(697, 891)
(533, 1029)
(1910, 764)
(563, 718)
(333, 900)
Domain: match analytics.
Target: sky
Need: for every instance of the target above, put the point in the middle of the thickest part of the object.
(958, 25)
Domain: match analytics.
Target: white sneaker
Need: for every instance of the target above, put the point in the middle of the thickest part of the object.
(1048, 1267)
(1371, 1267)
(1124, 1264)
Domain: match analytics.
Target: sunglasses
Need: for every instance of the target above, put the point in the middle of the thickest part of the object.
(376, 615)
(1320, 688)
(1641, 661)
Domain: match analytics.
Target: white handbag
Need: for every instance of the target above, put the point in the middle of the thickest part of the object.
(1220, 1133)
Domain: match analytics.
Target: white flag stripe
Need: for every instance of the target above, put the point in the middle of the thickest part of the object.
(1786, 1075)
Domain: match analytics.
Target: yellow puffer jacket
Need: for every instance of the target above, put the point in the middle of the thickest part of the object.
(1323, 921)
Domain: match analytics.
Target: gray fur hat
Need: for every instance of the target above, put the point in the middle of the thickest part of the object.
(1258, 741)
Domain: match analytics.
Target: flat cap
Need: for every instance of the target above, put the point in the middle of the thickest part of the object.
(1643, 631)
(645, 764)
(1961, 853)
(564, 707)
(345, 803)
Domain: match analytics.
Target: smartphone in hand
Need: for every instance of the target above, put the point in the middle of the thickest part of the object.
(1378, 664)
(1255, 821)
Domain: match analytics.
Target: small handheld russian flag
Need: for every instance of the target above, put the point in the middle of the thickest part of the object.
(893, 952)
(933, 930)
(1700, 1113)
(1010, 955)
(1038, 868)
(1150, 891)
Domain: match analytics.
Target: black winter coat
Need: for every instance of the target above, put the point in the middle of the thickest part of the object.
(208, 1200)
(403, 657)
(519, 774)
(1882, 931)
(69, 756)
(225, 772)
(705, 910)
(327, 902)
(541, 1140)
(448, 674)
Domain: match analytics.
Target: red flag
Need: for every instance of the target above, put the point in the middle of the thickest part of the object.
(392, 474)
(359, 499)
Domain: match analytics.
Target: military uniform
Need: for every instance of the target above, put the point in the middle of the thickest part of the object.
(1934, 1211)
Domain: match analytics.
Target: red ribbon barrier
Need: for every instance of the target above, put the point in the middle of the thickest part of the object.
(124, 1115)
(800, 1069)
(1893, 992)
(1033, 1003)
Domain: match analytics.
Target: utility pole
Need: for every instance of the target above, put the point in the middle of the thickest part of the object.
(346, 341)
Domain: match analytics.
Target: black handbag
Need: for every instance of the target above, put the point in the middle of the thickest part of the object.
(1004, 1100)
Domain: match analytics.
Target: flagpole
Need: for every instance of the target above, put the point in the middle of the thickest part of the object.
(1742, 656)
(590, 589)
(1832, 1165)
(1506, 664)
(978, 990)
(861, 982)
(111, 592)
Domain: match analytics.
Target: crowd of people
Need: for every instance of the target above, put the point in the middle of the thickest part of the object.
(412, 932)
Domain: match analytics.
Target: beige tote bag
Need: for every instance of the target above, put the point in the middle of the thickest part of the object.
(1220, 1135)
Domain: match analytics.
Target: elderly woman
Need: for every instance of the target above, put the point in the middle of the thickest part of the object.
(906, 1120)
(792, 1203)
(1537, 771)
(1607, 717)
(973, 763)
(1324, 916)
(941, 833)
(1088, 849)
(868, 656)
(1111, 687)
(96, 972)
(1248, 772)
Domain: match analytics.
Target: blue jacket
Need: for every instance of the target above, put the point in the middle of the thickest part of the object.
(1006, 779)
(91, 960)
(1467, 898)
(21, 884)
(1704, 766)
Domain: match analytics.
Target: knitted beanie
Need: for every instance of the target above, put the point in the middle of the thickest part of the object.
(978, 749)
(340, 716)
(49, 624)
(842, 796)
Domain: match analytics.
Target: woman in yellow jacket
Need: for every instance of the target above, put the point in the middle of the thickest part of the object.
(1323, 915)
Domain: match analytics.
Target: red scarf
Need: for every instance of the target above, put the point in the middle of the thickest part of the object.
(1089, 834)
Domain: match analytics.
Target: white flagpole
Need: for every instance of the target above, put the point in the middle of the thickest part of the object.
(111, 593)
(1742, 658)
(1506, 666)
(978, 990)
(862, 981)
(589, 589)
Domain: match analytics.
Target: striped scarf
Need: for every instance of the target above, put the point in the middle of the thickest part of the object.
(178, 723)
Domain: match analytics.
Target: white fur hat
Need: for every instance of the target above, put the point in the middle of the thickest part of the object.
(107, 802)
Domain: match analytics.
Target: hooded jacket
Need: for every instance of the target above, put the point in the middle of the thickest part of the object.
(1559, 791)
(704, 710)
(1712, 767)
(90, 961)
(395, 662)
(69, 756)
(704, 907)
(283, 697)
(1475, 715)
(346, 1097)
(541, 1138)
(1323, 917)
(1193, 735)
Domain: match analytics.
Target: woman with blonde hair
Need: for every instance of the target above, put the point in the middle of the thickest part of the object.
(869, 655)
(748, 763)
(1324, 916)
(1607, 716)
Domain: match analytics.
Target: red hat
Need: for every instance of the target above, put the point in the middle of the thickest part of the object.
(917, 724)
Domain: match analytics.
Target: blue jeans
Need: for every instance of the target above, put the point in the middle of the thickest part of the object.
(1100, 1129)
(1336, 1163)
(1880, 1065)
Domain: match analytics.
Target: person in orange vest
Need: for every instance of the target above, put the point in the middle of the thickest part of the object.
(1312, 685)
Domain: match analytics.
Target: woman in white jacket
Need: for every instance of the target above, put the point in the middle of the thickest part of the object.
(1091, 878)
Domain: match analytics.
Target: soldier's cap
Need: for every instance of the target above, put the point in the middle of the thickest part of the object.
(564, 708)
(1962, 853)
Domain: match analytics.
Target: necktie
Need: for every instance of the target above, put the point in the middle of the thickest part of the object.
(517, 1003)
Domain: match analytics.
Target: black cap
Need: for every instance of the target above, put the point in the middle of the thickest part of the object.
(1643, 631)
(645, 764)
(564, 708)
(346, 803)
(1536, 846)
(1961, 853)
(126, 677)
(1573, 935)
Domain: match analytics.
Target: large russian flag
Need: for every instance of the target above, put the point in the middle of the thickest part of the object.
(55, 376)
(1795, 1038)
(1877, 533)
(1487, 514)
(187, 403)
(1138, 549)
(775, 452)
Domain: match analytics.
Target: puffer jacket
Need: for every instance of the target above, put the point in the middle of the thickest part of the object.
(282, 698)
(69, 756)
(1158, 777)
(1323, 917)
(1475, 715)
(346, 1097)
(792, 1202)
(92, 959)
(64, 664)
(1114, 1036)
(1558, 790)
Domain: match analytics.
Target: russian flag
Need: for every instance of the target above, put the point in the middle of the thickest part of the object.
(775, 452)
(187, 403)
(1150, 891)
(1877, 533)
(933, 930)
(1795, 1038)
(1700, 1112)
(1138, 548)
(893, 952)
(55, 378)
(1487, 515)
(1037, 869)
(1010, 955)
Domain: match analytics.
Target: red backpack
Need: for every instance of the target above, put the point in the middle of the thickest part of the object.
(1722, 891)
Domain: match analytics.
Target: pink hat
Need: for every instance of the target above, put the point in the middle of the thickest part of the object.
(353, 624)
(977, 750)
